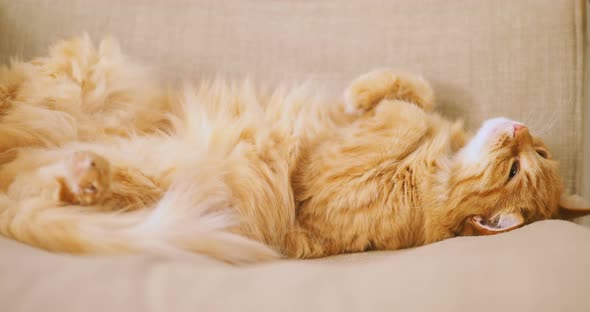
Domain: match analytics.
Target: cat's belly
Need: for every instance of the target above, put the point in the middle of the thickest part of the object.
(354, 204)
(386, 222)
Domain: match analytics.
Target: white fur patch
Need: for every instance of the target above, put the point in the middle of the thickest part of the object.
(472, 152)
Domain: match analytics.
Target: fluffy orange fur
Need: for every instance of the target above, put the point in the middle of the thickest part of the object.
(96, 157)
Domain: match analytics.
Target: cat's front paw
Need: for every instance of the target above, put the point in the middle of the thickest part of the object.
(86, 180)
(370, 89)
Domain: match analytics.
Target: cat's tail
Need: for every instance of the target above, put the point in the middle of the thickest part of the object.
(184, 233)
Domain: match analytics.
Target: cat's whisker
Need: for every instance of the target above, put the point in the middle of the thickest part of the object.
(547, 126)
(534, 121)
(527, 120)
(552, 122)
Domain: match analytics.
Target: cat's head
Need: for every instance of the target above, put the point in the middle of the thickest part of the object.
(504, 178)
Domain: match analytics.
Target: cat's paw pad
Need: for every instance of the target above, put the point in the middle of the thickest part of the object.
(86, 179)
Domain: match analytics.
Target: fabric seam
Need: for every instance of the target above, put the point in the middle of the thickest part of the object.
(579, 34)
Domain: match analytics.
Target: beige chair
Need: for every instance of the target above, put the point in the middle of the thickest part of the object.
(521, 59)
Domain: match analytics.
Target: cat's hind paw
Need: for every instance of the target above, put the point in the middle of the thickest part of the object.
(86, 180)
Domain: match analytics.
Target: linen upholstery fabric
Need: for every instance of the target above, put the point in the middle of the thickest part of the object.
(542, 267)
(519, 59)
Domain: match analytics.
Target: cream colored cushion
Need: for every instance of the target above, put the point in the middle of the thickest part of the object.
(516, 58)
(542, 267)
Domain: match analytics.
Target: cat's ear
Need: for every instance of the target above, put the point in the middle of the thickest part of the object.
(573, 206)
(499, 224)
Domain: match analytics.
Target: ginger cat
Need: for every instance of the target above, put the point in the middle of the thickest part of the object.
(95, 157)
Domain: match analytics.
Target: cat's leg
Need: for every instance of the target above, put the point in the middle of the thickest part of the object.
(81, 178)
(79, 92)
(368, 90)
(84, 178)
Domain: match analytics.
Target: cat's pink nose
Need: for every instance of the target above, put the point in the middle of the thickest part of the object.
(518, 128)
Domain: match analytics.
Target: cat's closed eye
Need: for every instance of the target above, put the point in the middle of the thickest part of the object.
(542, 153)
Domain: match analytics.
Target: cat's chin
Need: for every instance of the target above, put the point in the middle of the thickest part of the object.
(489, 131)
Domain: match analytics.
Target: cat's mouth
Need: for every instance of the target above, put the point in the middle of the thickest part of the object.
(495, 222)
(498, 223)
